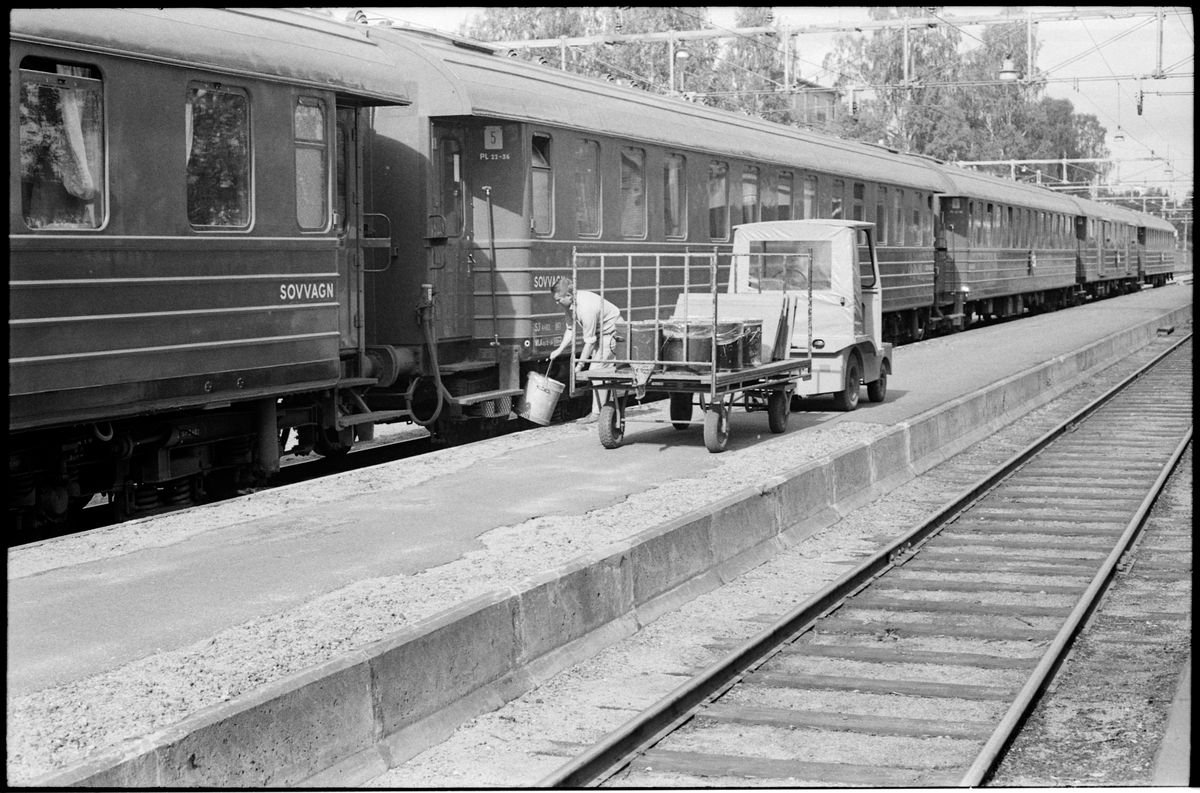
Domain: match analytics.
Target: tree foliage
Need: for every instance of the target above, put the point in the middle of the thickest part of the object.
(642, 64)
(750, 71)
(951, 106)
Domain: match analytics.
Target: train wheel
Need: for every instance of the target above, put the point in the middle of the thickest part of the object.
(612, 425)
(681, 411)
(877, 390)
(779, 408)
(847, 399)
(716, 428)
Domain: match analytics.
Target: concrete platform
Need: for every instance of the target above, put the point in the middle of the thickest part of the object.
(386, 701)
(1173, 765)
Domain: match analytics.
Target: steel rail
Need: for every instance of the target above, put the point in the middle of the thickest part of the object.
(619, 747)
(1006, 730)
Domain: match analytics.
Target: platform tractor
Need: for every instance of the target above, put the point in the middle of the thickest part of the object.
(830, 269)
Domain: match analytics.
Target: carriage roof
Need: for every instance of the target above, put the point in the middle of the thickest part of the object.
(274, 44)
(476, 81)
(973, 184)
(1119, 214)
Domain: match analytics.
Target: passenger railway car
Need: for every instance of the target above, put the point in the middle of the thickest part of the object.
(1004, 247)
(228, 228)
(1155, 249)
(183, 227)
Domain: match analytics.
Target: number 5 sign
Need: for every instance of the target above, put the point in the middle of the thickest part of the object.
(493, 137)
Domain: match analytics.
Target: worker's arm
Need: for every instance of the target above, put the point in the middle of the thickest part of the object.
(585, 355)
(568, 339)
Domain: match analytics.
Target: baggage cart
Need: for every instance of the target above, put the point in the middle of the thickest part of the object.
(693, 344)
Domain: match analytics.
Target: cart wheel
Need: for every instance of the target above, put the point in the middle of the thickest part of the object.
(877, 391)
(681, 411)
(847, 399)
(612, 426)
(779, 407)
(716, 428)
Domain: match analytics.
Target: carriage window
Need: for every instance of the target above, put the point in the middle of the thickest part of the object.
(217, 129)
(783, 197)
(927, 221)
(62, 145)
(633, 193)
(587, 187)
(312, 174)
(450, 190)
(341, 155)
(859, 193)
(751, 209)
(543, 186)
(898, 217)
(839, 190)
(718, 200)
(674, 197)
(809, 208)
(914, 217)
(881, 216)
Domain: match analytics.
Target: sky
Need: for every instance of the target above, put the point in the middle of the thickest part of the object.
(1077, 51)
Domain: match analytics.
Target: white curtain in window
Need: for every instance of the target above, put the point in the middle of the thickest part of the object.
(187, 131)
(77, 177)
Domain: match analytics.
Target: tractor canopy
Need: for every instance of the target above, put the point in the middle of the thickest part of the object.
(789, 256)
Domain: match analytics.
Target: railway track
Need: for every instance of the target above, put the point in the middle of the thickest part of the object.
(918, 667)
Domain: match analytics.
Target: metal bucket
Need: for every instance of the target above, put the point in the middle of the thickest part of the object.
(541, 395)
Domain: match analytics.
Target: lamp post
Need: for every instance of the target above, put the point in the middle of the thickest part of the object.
(674, 55)
(682, 56)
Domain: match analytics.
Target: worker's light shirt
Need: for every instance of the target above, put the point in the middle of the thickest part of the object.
(592, 312)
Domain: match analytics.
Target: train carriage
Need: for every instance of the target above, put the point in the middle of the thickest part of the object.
(1107, 237)
(181, 246)
(1007, 246)
(1155, 248)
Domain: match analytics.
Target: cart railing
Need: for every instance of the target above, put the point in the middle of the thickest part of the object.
(669, 280)
(684, 290)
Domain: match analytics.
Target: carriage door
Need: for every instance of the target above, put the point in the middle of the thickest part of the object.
(448, 233)
(348, 219)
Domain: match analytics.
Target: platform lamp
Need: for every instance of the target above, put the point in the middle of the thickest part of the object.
(681, 57)
(1008, 71)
